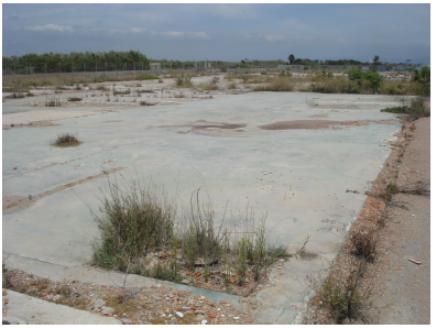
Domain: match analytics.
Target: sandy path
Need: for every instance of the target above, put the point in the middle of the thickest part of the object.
(405, 287)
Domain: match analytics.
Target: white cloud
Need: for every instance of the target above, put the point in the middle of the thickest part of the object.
(50, 27)
(109, 31)
(272, 38)
(138, 30)
(174, 34)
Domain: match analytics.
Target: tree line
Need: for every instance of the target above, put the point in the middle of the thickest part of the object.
(76, 62)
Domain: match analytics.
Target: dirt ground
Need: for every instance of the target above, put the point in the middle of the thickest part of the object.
(405, 291)
(395, 285)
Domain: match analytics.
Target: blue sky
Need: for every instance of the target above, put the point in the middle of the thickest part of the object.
(222, 31)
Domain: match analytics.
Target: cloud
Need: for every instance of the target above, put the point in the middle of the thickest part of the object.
(272, 38)
(49, 27)
(269, 38)
(138, 30)
(12, 17)
(107, 30)
(174, 34)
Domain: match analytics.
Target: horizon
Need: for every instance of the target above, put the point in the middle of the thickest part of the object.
(226, 32)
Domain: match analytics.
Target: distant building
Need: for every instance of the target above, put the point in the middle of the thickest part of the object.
(408, 60)
(400, 68)
(382, 68)
(340, 67)
(365, 68)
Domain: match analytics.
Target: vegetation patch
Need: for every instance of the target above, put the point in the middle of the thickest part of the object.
(74, 99)
(140, 235)
(66, 140)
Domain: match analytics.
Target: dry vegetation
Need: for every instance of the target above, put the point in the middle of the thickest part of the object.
(140, 234)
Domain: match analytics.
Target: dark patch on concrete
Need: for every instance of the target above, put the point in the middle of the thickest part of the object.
(204, 125)
(299, 124)
(37, 124)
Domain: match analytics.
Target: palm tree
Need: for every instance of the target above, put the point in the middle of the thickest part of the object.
(291, 59)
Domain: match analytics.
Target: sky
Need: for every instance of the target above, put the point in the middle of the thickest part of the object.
(229, 32)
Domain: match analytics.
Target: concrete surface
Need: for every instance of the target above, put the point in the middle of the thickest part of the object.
(100, 276)
(298, 177)
(24, 309)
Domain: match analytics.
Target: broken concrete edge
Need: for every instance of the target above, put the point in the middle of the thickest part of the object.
(24, 309)
(100, 276)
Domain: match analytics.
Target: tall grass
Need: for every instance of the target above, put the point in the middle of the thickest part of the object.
(138, 220)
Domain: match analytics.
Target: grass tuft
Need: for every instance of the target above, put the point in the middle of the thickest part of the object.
(66, 140)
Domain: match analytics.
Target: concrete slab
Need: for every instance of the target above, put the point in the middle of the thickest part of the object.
(299, 177)
(24, 309)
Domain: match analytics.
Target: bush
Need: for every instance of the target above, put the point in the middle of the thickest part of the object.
(53, 102)
(363, 244)
(280, 83)
(133, 222)
(392, 188)
(374, 80)
(184, 82)
(422, 78)
(145, 76)
(66, 140)
(342, 296)
(146, 103)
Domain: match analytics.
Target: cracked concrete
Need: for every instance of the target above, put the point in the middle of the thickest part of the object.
(299, 177)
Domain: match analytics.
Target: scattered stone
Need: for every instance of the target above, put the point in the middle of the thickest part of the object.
(99, 303)
(107, 311)
(180, 314)
(4, 292)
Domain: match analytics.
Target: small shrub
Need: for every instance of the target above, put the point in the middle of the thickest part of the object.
(18, 95)
(66, 140)
(127, 92)
(53, 102)
(133, 222)
(263, 73)
(342, 296)
(145, 76)
(280, 83)
(364, 244)
(392, 188)
(74, 99)
(184, 82)
(145, 103)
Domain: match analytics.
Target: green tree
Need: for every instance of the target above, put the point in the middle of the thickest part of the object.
(422, 77)
(291, 59)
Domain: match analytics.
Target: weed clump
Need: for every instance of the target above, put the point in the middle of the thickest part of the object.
(393, 188)
(364, 245)
(184, 82)
(280, 83)
(342, 296)
(66, 140)
(133, 223)
(146, 103)
(140, 234)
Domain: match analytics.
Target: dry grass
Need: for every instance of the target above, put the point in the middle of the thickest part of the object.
(184, 82)
(279, 83)
(66, 140)
(18, 82)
